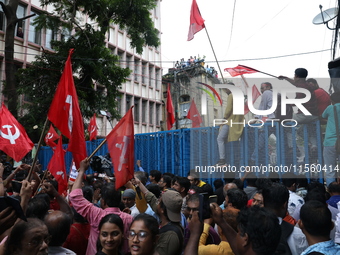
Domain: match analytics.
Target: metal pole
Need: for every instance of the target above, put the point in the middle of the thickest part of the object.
(176, 99)
(219, 68)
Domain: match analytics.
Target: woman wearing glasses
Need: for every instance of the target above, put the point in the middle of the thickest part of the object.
(143, 235)
(110, 239)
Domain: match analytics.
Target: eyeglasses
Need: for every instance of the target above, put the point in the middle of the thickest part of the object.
(140, 235)
(193, 209)
(39, 241)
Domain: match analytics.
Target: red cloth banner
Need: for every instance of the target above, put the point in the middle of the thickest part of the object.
(14, 140)
(65, 113)
(196, 21)
(194, 115)
(92, 128)
(120, 143)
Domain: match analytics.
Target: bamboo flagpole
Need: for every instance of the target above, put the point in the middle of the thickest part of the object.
(36, 154)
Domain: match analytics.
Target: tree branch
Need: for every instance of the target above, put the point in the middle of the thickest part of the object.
(25, 17)
(4, 8)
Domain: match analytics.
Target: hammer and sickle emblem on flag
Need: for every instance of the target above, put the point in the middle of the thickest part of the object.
(93, 129)
(123, 147)
(11, 137)
(49, 136)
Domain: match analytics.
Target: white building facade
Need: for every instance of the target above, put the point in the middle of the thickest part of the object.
(142, 88)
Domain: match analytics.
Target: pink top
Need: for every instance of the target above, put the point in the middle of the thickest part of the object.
(93, 215)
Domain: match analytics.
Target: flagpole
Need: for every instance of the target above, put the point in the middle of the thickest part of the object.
(94, 152)
(259, 71)
(214, 52)
(36, 154)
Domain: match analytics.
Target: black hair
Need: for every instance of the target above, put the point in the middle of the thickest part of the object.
(88, 193)
(288, 179)
(38, 206)
(251, 179)
(77, 217)
(262, 228)
(184, 182)
(335, 97)
(268, 84)
(316, 218)
(302, 181)
(156, 174)
(167, 180)
(169, 174)
(334, 187)
(110, 195)
(301, 72)
(316, 185)
(316, 195)
(154, 189)
(218, 183)
(19, 230)
(262, 183)
(238, 198)
(110, 218)
(275, 195)
(150, 223)
(239, 183)
(274, 177)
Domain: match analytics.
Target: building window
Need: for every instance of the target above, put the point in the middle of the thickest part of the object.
(2, 17)
(151, 112)
(158, 112)
(144, 110)
(144, 72)
(127, 102)
(129, 64)
(136, 102)
(136, 68)
(65, 34)
(151, 78)
(21, 11)
(119, 105)
(34, 34)
(158, 78)
(50, 36)
(121, 59)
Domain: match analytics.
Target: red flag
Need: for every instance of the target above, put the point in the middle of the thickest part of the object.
(56, 166)
(170, 110)
(65, 113)
(194, 115)
(196, 21)
(92, 128)
(51, 136)
(238, 70)
(13, 138)
(255, 94)
(120, 143)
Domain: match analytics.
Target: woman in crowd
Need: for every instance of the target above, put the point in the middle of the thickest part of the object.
(110, 239)
(143, 235)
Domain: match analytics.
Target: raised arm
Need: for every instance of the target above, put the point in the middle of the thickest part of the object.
(84, 165)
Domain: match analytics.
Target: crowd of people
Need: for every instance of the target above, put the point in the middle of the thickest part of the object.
(193, 61)
(321, 106)
(164, 214)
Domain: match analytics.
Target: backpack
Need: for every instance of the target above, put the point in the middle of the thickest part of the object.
(278, 113)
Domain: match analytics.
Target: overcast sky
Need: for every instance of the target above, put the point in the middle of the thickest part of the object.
(261, 29)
